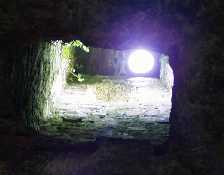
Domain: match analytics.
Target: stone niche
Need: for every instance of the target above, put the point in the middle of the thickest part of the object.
(120, 104)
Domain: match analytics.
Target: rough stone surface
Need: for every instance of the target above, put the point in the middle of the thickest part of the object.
(115, 62)
(32, 68)
(166, 72)
(134, 108)
(6, 89)
(190, 32)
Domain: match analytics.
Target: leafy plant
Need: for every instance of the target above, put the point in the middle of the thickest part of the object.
(69, 52)
(78, 76)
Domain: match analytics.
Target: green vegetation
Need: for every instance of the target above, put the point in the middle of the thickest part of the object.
(68, 50)
(75, 52)
(88, 79)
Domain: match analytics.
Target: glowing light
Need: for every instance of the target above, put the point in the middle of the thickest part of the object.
(141, 61)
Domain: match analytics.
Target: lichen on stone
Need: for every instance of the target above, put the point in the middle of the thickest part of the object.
(112, 91)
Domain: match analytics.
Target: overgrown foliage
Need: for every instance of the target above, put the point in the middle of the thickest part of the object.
(74, 52)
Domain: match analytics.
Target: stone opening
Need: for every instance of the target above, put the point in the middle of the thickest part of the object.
(109, 100)
(189, 31)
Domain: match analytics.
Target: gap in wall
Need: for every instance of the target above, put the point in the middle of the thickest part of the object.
(96, 95)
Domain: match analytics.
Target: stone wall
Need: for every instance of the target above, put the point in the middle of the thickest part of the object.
(107, 62)
(196, 116)
(6, 88)
(166, 72)
(28, 75)
(190, 32)
(115, 62)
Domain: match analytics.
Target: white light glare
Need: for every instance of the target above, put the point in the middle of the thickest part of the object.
(141, 61)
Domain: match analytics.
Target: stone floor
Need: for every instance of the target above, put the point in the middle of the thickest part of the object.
(46, 156)
(140, 109)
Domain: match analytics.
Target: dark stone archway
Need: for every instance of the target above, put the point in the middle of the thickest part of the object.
(155, 25)
(190, 32)
(165, 27)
